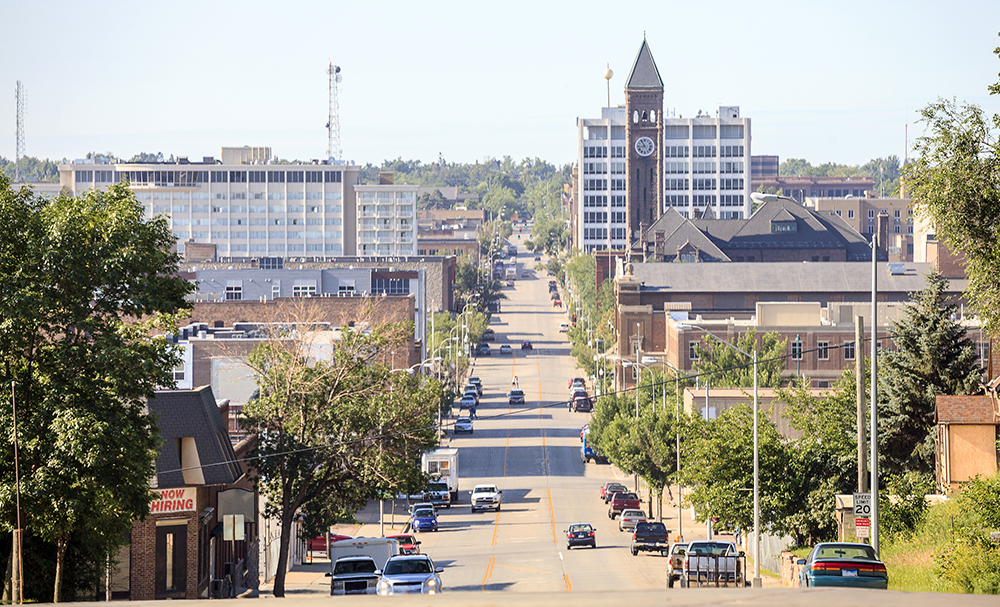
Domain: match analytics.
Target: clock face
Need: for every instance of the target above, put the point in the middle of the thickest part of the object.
(644, 146)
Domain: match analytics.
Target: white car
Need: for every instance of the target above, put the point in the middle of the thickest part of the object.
(629, 518)
(468, 401)
(486, 497)
(410, 574)
(505, 349)
(563, 327)
(354, 575)
(463, 424)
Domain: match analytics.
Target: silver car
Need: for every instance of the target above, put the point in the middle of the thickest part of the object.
(463, 424)
(410, 574)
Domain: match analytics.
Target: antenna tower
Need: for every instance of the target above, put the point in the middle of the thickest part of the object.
(19, 149)
(333, 149)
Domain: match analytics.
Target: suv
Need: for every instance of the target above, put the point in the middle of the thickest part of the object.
(581, 403)
(354, 575)
(486, 497)
(410, 574)
(516, 397)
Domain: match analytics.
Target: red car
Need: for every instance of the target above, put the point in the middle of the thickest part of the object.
(623, 501)
(557, 304)
(407, 543)
(611, 487)
(318, 543)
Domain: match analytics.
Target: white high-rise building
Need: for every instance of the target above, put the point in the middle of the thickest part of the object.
(247, 207)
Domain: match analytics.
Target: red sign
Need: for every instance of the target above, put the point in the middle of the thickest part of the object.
(174, 500)
(862, 527)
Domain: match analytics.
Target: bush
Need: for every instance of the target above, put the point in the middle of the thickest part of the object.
(971, 561)
(906, 508)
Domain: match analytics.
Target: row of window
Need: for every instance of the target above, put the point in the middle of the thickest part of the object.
(703, 131)
(193, 177)
(822, 350)
(601, 168)
(595, 233)
(704, 183)
(241, 209)
(391, 286)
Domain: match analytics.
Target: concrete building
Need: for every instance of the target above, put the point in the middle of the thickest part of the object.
(892, 218)
(248, 207)
(635, 162)
(800, 188)
(968, 428)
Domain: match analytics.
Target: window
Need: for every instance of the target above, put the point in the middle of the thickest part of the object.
(333, 177)
(796, 350)
(871, 213)
(276, 177)
(850, 213)
(693, 348)
(258, 177)
(234, 290)
(895, 213)
(848, 350)
(303, 290)
(391, 286)
(823, 350)
(237, 176)
(839, 213)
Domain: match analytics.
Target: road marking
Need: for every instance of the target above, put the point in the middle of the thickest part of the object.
(560, 555)
(496, 526)
(526, 569)
(552, 514)
(489, 571)
(569, 586)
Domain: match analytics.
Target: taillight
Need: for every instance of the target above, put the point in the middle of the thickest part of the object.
(591, 534)
(879, 567)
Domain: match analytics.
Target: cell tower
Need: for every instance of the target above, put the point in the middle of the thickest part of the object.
(333, 149)
(19, 149)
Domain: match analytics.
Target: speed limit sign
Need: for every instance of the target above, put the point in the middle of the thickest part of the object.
(862, 505)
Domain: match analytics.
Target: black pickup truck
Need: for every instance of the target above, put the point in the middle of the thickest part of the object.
(650, 537)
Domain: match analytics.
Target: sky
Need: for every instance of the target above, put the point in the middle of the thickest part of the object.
(466, 81)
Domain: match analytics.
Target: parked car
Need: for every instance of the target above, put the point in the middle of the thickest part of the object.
(510, 283)
(410, 574)
(526, 345)
(422, 505)
(354, 575)
(488, 335)
(581, 404)
(483, 349)
(538, 257)
(557, 304)
(468, 401)
(319, 542)
(486, 497)
(553, 294)
(584, 431)
(581, 534)
(525, 274)
(516, 397)
(505, 349)
(470, 390)
(622, 501)
(478, 383)
(563, 326)
(609, 489)
(424, 520)
(463, 424)
(629, 518)
(407, 543)
(843, 564)
(577, 383)
(552, 284)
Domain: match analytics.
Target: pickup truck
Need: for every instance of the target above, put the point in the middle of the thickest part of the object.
(676, 567)
(650, 537)
(713, 563)
(622, 501)
(486, 497)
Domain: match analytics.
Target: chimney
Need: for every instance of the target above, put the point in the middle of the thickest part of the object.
(385, 178)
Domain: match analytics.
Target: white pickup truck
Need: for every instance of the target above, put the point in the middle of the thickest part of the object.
(486, 497)
(713, 563)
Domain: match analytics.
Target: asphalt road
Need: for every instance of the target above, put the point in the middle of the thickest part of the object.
(532, 452)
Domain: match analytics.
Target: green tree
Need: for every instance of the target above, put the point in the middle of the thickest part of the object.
(933, 356)
(955, 184)
(971, 561)
(335, 431)
(724, 367)
(78, 272)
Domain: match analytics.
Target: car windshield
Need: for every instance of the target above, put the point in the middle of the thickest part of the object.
(517, 392)
(402, 567)
(626, 496)
(361, 566)
(846, 551)
(461, 420)
(405, 539)
(441, 486)
(574, 528)
(634, 513)
(423, 513)
(484, 490)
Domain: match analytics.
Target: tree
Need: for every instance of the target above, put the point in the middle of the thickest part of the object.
(78, 271)
(725, 367)
(335, 429)
(955, 185)
(933, 356)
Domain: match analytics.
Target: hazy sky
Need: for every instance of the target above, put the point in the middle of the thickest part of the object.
(826, 81)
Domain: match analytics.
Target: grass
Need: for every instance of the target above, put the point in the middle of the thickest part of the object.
(910, 561)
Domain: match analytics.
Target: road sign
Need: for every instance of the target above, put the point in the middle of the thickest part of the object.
(862, 528)
(863, 505)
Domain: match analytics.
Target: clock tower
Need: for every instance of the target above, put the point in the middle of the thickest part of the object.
(644, 140)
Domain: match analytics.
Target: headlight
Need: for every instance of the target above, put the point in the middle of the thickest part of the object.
(431, 586)
(384, 588)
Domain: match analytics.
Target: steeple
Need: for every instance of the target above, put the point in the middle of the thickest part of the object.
(644, 74)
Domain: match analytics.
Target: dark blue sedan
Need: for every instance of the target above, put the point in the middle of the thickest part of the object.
(424, 520)
(843, 565)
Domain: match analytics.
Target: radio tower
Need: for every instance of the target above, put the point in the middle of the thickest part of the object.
(19, 149)
(333, 149)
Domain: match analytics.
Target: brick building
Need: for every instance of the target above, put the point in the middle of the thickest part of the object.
(800, 187)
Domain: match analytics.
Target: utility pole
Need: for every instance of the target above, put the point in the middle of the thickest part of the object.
(859, 369)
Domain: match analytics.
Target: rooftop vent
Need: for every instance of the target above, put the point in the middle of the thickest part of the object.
(897, 269)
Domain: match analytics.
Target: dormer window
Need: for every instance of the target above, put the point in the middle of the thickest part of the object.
(783, 226)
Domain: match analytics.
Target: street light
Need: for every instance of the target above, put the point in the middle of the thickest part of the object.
(756, 458)
(638, 377)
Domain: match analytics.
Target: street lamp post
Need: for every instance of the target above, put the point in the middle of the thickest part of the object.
(756, 454)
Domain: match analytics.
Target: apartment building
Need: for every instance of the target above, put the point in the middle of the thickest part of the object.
(865, 214)
(248, 207)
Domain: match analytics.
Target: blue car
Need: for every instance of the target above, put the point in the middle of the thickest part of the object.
(843, 565)
(424, 520)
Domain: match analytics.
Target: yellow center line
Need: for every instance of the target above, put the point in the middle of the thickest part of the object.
(569, 586)
(489, 571)
(552, 514)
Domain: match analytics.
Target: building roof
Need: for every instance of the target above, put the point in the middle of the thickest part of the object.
(785, 277)
(977, 409)
(679, 231)
(644, 74)
(192, 414)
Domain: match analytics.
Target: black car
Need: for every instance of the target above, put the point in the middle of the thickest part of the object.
(581, 534)
(526, 345)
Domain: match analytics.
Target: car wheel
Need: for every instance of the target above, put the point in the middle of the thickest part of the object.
(635, 552)
(569, 546)
(473, 510)
(593, 544)
(684, 583)
(498, 507)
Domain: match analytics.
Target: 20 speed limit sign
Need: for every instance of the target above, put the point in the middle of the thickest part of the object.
(862, 505)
